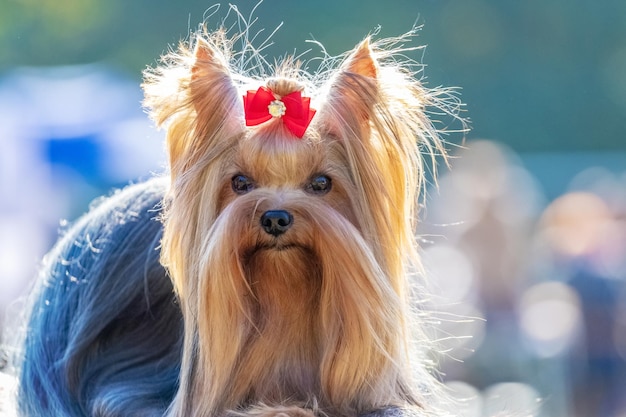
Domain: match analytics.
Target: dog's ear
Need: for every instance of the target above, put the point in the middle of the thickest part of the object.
(212, 91)
(352, 92)
(193, 94)
(214, 98)
(209, 69)
(361, 61)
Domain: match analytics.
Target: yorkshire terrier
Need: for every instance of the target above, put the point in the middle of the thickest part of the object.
(268, 273)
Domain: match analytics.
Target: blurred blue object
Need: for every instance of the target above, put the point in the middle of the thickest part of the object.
(69, 134)
(82, 154)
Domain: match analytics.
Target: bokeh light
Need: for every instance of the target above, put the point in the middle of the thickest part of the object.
(577, 223)
(451, 272)
(511, 399)
(466, 400)
(550, 317)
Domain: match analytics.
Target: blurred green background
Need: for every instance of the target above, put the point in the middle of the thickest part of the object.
(526, 234)
(537, 75)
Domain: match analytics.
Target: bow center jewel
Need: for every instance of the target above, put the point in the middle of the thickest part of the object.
(277, 108)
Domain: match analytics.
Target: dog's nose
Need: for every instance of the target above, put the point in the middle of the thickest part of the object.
(276, 222)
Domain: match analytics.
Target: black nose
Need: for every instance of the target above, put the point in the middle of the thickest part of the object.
(276, 222)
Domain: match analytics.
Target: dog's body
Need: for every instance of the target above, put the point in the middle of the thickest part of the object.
(84, 357)
(288, 246)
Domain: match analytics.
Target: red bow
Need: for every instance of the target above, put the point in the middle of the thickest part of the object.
(261, 105)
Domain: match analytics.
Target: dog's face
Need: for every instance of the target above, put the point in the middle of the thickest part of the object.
(282, 193)
(289, 253)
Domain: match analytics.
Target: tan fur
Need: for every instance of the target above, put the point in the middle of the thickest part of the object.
(316, 320)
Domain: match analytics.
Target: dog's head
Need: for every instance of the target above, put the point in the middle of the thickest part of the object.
(289, 247)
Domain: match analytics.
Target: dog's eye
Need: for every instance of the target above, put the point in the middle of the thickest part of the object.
(320, 184)
(242, 184)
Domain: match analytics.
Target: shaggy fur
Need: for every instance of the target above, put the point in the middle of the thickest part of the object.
(314, 321)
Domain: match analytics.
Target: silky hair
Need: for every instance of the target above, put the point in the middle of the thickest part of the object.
(168, 299)
(351, 325)
(104, 333)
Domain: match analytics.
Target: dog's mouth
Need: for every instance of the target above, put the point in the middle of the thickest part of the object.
(277, 250)
(278, 247)
(274, 247)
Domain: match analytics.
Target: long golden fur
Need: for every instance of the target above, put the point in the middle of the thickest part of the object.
(317, 320)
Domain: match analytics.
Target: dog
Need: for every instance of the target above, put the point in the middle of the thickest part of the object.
(269, 272)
